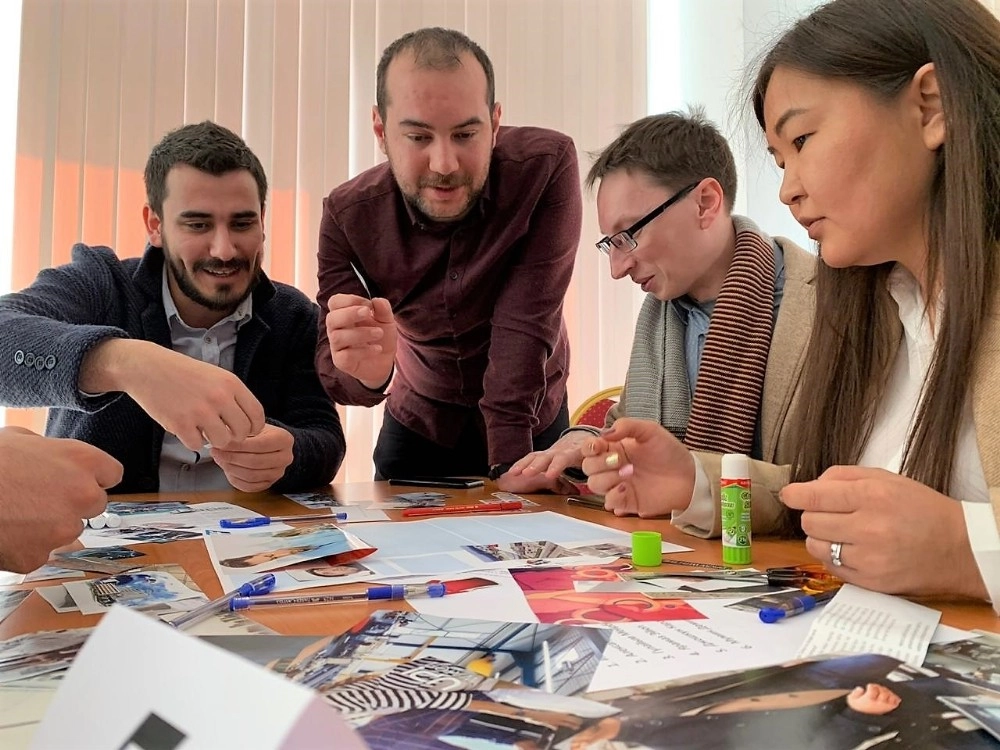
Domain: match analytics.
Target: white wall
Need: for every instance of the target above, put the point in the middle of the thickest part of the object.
(702, 52)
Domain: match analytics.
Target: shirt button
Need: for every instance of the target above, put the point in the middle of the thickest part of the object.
(39, 362)
(208, 339)
(50, 362)
(185, 467)
(453, 275)
(18, 357)
(29, 360)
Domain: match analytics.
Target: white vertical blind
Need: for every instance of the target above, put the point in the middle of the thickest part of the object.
(102, 80)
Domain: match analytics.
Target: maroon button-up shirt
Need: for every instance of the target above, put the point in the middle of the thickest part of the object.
(478, 303)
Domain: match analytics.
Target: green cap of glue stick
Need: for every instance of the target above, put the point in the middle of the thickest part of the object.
(647, 548)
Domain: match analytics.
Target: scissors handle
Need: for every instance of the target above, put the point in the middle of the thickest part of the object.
(244, 523)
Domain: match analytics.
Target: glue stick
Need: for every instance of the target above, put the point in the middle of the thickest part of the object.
(735, 491)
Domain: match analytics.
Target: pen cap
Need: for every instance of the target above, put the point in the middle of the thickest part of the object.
(771, 614)
(735, 466)
(262, 585)
(435, 590)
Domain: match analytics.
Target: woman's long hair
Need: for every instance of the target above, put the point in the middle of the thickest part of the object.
(880, 46)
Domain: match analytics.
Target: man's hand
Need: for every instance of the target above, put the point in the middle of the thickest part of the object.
(640, 468)
(193, 400)
(542, 470)
(47, 485)
(254, 464)
(898, 536)
(362, 336)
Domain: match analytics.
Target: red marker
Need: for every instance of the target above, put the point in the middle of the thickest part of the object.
(447, 510)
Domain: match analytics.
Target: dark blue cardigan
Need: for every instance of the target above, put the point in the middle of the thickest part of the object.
(47, 329)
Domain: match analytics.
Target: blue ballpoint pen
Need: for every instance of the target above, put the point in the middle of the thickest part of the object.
(372, 593)
(795, 606)
(253, 521)
(260, 585)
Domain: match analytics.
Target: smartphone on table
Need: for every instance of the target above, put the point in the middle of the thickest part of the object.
(457, 483)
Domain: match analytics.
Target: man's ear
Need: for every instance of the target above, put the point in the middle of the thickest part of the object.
(495, 119)
(154, 226)
(378, 127)
(926, 94)
(711, 201)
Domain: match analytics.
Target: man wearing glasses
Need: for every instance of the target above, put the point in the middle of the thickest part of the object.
(444, 269)
(715, 284)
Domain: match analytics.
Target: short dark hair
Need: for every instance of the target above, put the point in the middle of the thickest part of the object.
(674, 149)
(207, 147)
(437, 49)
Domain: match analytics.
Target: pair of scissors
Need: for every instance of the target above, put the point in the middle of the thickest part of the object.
(810, 577)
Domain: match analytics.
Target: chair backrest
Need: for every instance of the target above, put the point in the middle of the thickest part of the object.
(594, 409)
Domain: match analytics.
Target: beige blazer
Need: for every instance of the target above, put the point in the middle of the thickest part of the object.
(986, 404)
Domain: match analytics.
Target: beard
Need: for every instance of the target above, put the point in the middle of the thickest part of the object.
(226, 298)
(425, 209)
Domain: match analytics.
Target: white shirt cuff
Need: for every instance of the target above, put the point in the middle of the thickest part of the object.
(700, 513)
(985, 540)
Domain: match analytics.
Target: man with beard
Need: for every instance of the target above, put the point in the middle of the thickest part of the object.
(444, 270)
(188, 364)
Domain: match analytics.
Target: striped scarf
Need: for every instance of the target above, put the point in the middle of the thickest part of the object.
(722, 416)
(731, 375)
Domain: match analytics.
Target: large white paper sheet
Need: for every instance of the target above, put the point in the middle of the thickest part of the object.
(136, 676)
(403, 547)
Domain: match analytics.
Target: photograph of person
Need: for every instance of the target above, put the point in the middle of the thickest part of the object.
(864, 701)
(267, 550)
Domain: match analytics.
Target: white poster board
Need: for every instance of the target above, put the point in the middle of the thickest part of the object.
(138, 684)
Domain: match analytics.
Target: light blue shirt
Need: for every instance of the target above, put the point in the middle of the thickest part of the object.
(696, 317)
(183, 470)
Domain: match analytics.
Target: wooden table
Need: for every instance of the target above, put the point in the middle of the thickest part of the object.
(35, 614)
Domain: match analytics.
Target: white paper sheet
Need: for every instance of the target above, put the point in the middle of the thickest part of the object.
(22, 706)
(858, 621)
(134, 673)
(504, 601)
(403, 547)
(147, 590)
(642, 653)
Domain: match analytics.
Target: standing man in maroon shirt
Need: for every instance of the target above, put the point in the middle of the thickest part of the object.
(442, 272)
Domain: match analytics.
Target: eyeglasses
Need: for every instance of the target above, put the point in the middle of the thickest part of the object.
(625, 240)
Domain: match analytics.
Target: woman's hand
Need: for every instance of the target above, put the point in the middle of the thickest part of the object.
(640, 468)
(897, 536)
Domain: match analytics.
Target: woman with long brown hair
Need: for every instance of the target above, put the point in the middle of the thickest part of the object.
(885, 118)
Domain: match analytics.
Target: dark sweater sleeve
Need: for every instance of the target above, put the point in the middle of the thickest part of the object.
(308, 414)
(336, 276)
(47, 329)
(527, 319)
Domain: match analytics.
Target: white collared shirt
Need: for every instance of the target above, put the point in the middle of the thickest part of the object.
(894, 420)
(183, 470)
